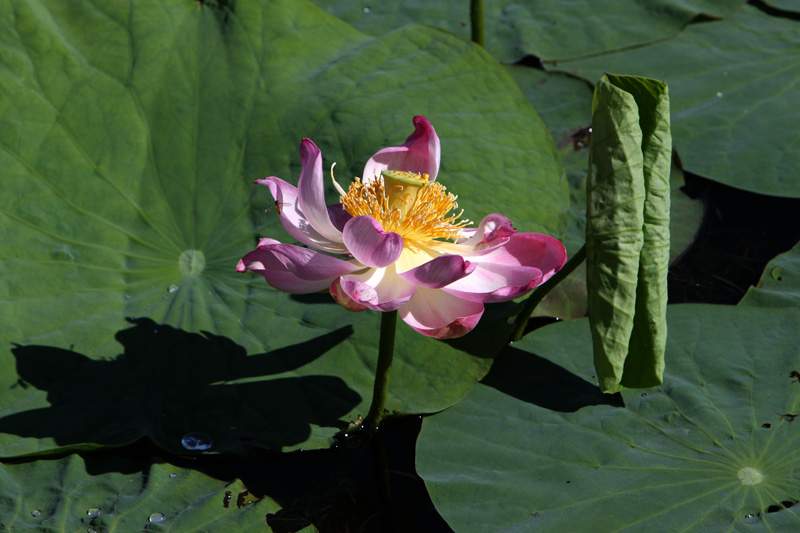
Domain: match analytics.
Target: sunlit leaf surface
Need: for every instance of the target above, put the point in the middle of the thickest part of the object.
(732, 67)
(73, 494)
(130, 133)
(548, 29)
(731, 83)
(537, 447)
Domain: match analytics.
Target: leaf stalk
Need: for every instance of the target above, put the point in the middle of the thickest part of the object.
(382, 372)
(542, 291)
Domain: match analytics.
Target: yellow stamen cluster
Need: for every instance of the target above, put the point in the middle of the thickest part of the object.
(415, 210)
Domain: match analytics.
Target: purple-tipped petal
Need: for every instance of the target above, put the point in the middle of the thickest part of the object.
(338, 216)
(294, 269)
(370, 244)
(379, 289)
(439, 272)
(294, 219)
(440, 315)
(421, 153)
(311, 192)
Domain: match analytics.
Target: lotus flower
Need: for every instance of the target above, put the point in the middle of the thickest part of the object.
(400, 241)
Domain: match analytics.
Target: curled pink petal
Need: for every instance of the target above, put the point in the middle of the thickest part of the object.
(439, 272)
(491, 283)
(294, 219)
(527, 249)
(494, 230)
(370, 244)
(440, 315)
(379, 289)
(311, 192)
(420, 153)
(294, 269)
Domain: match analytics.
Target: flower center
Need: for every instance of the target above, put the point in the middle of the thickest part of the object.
(406, 203)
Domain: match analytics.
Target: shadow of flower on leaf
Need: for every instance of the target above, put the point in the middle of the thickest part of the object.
(169, 382)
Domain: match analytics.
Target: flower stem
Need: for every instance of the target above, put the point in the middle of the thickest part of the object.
(381, 387)
(476, 20)
(539, 294)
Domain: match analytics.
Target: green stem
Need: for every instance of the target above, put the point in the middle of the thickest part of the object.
(381, 387)
(539, 294)
(476, 19)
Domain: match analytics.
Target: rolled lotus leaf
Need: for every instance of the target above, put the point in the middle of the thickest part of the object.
(627, 230)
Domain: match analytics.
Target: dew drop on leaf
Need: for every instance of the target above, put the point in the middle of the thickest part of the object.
(196, 441)
(156, 518)
(36, 513)
(94, 511)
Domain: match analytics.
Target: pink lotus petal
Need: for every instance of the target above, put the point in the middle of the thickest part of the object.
(343, 299)
(457, 328)
(294, 219)
(379, 289)
(294, 269)
(492, 282)
(420, 153)
(432, 312)
(494, 230)
(338, 216)
(370, 244)
(311, 192)
(439, 272)
(527, 249)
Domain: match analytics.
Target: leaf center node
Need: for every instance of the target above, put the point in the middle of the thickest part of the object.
(750, 476)
(192, 262)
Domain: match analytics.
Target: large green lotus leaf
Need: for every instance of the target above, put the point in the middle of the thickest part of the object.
(565, 104)
(549, 29)
(538, 447)
(789, 7)
(731, 82)
(73, 494)
(779, 285)
(129, 137)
